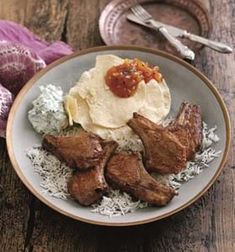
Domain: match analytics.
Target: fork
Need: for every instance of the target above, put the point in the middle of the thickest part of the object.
(145, 17)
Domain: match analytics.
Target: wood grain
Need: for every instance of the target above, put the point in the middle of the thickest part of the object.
(208, 225)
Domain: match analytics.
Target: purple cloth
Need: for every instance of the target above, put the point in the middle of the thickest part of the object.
(6, 99)
(49, 52)
(26, 51)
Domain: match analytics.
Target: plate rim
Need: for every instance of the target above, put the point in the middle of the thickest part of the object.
(30, 83)
(114, 4)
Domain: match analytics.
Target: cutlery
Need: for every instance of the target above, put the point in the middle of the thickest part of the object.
(177, 32)
(146, 18)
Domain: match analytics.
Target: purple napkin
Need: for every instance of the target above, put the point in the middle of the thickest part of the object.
(22, 54)
(49, 52)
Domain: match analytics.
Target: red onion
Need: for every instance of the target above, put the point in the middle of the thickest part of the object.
(18, 65)
(22, 54)
(6, 99)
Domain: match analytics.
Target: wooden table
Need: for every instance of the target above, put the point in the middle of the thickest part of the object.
(208, 225)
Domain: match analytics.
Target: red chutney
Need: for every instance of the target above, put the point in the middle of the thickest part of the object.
(123, 79)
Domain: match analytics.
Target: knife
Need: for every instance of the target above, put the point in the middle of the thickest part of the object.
(177, 32)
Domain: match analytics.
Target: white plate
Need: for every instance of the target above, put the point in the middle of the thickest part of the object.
(185, 83)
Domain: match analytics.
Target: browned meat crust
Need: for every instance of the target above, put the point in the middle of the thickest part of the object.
(88, 186)
(163, 151)
(126, 171)
(188, 128)
(82, 151)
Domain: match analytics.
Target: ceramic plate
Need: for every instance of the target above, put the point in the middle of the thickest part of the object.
(185, 83)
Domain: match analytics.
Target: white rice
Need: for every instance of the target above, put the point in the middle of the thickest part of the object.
(201, 159)
(117, 203)
(55, 175)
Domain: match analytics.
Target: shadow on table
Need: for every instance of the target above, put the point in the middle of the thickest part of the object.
(173, 232)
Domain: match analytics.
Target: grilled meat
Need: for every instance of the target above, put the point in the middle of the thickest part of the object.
(88, 186)
(82, 151)
(126, 172)
(163, 151)
(188, 128)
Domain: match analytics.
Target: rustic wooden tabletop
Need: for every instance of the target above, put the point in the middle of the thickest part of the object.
(26, 224)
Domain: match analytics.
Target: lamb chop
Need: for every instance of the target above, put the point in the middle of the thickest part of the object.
(188, 128)
(82, 151)
(89, 185)
(163, 151)
(126, 172)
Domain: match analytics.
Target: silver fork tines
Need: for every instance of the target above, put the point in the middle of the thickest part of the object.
(145, 17)
(140, 12)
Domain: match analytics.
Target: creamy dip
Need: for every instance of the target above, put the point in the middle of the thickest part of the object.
(48, 114)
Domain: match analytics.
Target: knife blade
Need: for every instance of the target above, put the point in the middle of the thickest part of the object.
(177, 32)
(174, 31)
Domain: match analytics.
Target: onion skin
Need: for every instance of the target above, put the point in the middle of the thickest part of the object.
(18, 65)
(6, 100)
